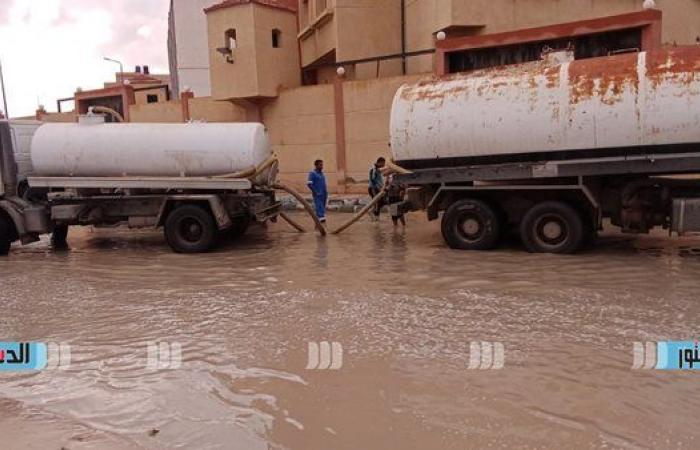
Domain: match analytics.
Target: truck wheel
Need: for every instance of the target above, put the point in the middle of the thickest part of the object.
(552, 227)
(59, 236)
(190, 229)
(5, 236)
(471, 225)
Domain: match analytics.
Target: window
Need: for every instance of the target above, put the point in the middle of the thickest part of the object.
(276, 38)
(586, 46)
(152, 98)
(230, 39)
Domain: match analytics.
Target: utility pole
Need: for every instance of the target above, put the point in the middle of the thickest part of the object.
(4, 96)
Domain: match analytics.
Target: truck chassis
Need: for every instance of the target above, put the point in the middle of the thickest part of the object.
(557, 206)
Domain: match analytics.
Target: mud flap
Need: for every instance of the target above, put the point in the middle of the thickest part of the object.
(223, 221)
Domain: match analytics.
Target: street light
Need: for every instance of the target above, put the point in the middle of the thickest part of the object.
(121, 66)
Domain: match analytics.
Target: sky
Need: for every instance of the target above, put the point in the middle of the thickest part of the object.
(48, 48)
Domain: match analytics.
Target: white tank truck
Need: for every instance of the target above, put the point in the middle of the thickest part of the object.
(197, 181)
(553, 147)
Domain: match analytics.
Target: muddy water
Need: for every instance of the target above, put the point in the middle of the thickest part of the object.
(403, 307)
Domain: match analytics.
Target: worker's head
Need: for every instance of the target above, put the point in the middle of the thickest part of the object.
(318, 164)
(381, 162)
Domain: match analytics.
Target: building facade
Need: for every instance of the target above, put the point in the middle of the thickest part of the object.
(327, 92)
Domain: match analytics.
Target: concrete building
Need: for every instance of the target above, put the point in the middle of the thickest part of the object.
(188, 49)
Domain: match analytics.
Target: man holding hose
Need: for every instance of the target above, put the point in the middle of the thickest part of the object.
(317, 185)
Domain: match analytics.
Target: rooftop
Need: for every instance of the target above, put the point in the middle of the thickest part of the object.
(287, 5)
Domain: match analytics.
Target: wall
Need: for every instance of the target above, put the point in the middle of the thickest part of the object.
(367, 108)
(681, 22)
(276, 67)
(302, 127)
(239, 79)
(367, 29)
(319, 31)
(64, 117)
(157, 112)
(208, 110)
(141, 97)
(363, 29)
(301, 123)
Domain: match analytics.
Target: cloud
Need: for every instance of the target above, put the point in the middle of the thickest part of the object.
(144, 31)
(51, 47)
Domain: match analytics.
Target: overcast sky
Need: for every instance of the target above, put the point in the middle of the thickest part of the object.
(48, 48)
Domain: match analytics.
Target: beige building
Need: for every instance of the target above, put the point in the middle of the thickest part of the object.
(253, 49)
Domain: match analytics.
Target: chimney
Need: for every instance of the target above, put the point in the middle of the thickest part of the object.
(138, 69)
(146, 70)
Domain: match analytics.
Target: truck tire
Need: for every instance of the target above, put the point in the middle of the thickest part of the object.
(471, 225)
(552, 227)
(5, 236)
(190, 229)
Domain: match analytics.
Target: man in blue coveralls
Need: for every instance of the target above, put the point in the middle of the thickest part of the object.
(317, 185)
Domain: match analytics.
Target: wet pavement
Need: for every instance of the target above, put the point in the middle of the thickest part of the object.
(402, 307)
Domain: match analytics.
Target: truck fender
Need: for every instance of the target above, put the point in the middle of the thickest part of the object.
(215, 203)
(219, 211)
(15, 214)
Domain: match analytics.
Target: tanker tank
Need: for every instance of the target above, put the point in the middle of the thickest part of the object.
(642, 102)
(128, 149)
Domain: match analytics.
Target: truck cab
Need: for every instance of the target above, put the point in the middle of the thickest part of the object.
(13, 223)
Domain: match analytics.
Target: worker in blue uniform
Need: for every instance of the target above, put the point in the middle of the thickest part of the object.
(319, 190)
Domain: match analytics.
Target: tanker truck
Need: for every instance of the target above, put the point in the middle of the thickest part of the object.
(551, 148)
(197, 181)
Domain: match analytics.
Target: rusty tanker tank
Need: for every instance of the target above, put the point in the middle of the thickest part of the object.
(646, 102)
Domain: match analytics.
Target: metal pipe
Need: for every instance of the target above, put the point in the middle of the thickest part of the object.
(350, 62)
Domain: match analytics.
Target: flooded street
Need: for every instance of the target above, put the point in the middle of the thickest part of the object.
(404, 308)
